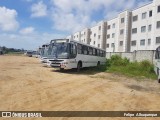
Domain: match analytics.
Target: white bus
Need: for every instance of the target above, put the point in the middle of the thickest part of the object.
(157, 63)
(68, 54)
(44, 53)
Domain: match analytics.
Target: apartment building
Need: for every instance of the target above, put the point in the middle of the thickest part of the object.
(69, 37)
(85, 36)
(77, 36)
(112, 35)
(98, 35)
(118, 33)
(146, 27)
(131, 30)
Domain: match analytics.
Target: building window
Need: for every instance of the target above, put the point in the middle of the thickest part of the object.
(84, 40)
(113, 26)
(112, 45)
(107, 45)
(142, 42)
(143, 29)
(150, 13)
(122, 20)
(108, 27)
(149, 28)
(113, 35)
(121, 43)
(84, 33)
(134, 30)
(135, 18)
(94, 34)
(99, 36)
(99, 27)
(157, 40)
(121, 31)
(99, 45)
(94, 42)
(149, 41)
(158, 24)
(158, 9)
(77, 36)
(90, 32)
(133, 43)
(144, 15)
(108, 36)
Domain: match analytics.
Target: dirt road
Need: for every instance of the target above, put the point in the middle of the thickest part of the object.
(26, 85)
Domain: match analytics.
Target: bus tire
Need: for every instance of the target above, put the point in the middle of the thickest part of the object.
(79, 66)
(61, 69)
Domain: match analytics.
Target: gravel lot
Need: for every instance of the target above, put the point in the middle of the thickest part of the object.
(27, 85)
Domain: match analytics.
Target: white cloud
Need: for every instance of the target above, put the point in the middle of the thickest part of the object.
(28, 30)
(39, 9)
(31, 42)
(8, 20)
(73, 15)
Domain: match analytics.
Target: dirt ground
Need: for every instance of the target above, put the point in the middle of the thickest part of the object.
(26, 85)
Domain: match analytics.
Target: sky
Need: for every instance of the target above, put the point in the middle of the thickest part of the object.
(30, 23)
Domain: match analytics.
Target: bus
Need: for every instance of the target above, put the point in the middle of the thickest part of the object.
(157, 63)
(68, 54)
(44, 53)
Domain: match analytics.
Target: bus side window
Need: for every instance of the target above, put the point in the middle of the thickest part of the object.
(94, 51)
(98, 54)
(85, 50)
(79, 49)
(101, 53)
(90, 50)
(104, 54)
(73, 51)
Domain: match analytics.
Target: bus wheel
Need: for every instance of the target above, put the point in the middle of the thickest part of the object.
(61, 69)
(79, 66)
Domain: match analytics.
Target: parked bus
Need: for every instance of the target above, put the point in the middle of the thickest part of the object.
(44, 53)
(68, 54)
(157, 63)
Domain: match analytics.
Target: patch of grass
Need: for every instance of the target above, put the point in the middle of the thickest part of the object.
(142, 69)
(14, 53)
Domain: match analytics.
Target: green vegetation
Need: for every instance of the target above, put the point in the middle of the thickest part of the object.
(15, 53)
(123, 66)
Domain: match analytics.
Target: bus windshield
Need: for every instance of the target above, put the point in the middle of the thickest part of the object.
(59, 50)
(44, 52)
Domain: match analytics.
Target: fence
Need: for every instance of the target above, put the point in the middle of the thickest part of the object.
(135, 56)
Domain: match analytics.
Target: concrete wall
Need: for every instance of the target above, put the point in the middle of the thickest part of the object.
(135, 56)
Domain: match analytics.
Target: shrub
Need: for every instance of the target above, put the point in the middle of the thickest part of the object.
(134, 69)
(118, 61)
